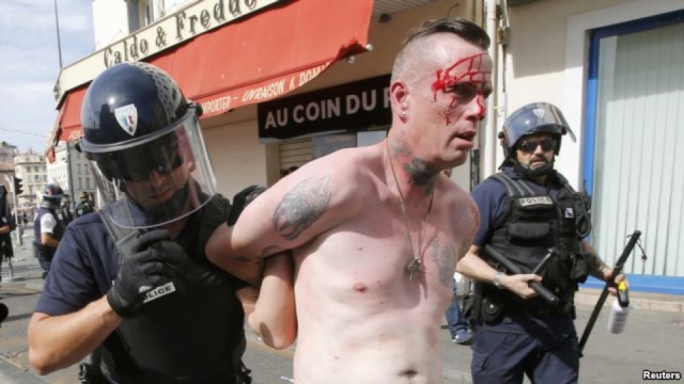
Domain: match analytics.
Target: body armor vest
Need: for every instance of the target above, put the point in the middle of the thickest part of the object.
(149, 348)
(537, 222)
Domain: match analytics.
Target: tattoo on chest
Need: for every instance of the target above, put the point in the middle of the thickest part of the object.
(445, 259)
(301, 207)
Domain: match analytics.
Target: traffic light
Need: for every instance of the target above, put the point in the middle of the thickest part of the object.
(18, 188)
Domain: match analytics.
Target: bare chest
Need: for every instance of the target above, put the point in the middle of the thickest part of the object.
(372, 256)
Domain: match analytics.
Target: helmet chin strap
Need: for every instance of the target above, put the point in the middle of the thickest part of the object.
(527, 172)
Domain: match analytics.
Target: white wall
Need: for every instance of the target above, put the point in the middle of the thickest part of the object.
(547, 59)
(110, 21)
(238, 159)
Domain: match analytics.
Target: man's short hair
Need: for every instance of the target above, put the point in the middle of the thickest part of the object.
(464, 28)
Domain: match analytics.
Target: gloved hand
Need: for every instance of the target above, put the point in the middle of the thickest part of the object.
(154, 261)
(242, 200)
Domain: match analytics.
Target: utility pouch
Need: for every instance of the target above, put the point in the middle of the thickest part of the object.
(491, 311)
(523, 232)
(581, 268)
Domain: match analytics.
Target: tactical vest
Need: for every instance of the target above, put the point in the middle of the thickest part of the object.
(43, 251)
(150, 348)
(537, 222)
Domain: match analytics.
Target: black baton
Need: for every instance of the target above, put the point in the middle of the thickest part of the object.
(634, 237)
(512, 268)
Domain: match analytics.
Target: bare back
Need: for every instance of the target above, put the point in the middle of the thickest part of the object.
(361, 319)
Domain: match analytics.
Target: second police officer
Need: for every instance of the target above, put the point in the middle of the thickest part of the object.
(527, 210)
(133, 278)
(48, 226)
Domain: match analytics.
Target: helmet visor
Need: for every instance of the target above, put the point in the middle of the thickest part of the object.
(164, 177)
(535, 118)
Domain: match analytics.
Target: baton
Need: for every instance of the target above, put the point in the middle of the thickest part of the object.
(634, 237)
(509, 266)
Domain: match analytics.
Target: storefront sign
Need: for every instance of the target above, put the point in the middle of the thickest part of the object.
(196, 19)
(349, 107)
(262, 91)
(201, 17)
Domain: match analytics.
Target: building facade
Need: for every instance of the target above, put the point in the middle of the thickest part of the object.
(31, 168)
(71, 170)
(569, 53)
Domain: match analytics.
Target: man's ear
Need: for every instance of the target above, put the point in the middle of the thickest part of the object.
(399, 93)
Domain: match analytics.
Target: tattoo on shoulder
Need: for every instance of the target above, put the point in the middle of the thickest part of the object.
(302, 206)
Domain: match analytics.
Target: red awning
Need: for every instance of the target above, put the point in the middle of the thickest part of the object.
(254, 59)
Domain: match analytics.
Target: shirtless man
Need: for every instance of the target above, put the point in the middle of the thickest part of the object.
(376, 231)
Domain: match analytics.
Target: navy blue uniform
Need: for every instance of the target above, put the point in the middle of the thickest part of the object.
(193, 335)
(544, 347)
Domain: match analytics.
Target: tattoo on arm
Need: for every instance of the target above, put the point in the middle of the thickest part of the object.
(445, 258)
(301, 207)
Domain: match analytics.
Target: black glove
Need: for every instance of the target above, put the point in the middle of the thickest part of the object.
(154, 261)
(242, 200)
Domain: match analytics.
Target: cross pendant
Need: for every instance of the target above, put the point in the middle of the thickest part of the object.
(413, 268)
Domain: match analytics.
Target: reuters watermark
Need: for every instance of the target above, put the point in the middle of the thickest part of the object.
(660, 375)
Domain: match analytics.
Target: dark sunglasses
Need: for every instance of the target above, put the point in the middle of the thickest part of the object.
(161, 166)
(530, 146)
(136, 164)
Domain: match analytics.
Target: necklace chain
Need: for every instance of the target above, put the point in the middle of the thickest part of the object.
(414, 266)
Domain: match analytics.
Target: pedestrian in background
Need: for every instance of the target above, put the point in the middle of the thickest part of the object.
(132, 282)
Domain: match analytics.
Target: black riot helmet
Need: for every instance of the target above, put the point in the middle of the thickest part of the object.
(139, 128)
(52, 193)
(533, 119)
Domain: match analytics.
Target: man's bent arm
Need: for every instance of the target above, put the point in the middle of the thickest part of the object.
(57, 342)
(219, 251)
(474, 267)
(270, 311)
(287, 215)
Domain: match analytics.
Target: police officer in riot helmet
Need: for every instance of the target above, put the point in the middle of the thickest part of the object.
(48, 226)
(529, 213)
(133, 279)
(84, 206)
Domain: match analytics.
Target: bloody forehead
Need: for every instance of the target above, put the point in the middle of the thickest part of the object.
(471, 69)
